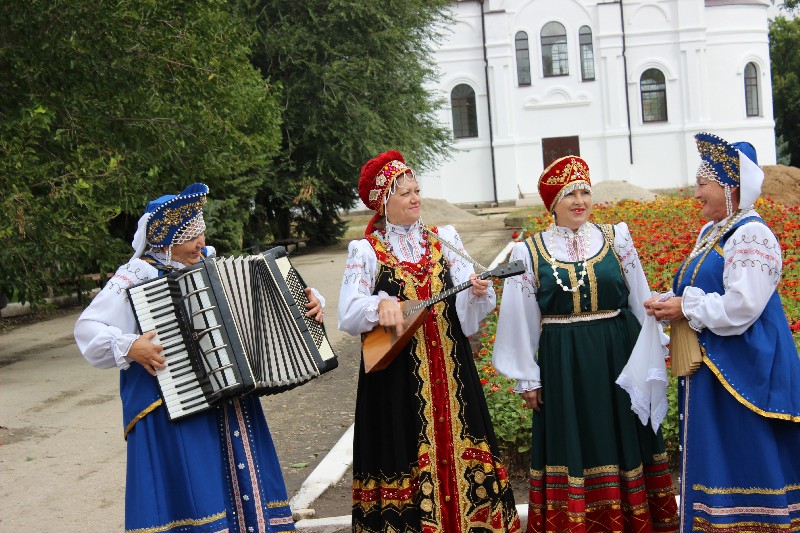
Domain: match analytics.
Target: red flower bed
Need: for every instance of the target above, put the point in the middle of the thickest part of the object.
(664, 232)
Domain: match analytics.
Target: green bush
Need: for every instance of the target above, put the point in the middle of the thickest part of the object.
(510, 418)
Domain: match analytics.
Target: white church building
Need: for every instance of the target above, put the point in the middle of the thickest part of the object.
(625, 84)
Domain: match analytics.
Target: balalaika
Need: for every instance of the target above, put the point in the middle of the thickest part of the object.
(231, 326)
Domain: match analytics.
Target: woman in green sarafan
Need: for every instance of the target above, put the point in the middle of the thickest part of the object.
(566, 330)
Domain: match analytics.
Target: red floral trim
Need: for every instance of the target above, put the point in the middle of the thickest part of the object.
(602, 502)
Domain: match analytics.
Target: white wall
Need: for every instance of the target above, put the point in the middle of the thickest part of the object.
(702, 49)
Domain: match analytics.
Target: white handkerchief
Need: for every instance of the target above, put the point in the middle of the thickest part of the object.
(645, 378)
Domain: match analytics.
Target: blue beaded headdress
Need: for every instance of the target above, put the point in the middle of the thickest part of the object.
(732, 165)
(721, 156)
(171, 213)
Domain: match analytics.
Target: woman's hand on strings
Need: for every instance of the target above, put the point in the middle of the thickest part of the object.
(390, 314)
(480, 287)
(147, 354)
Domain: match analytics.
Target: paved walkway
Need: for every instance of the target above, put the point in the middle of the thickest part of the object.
(62, 455)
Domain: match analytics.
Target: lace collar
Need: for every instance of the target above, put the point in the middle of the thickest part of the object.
(401, 231)
(563, 231)
(161, 257)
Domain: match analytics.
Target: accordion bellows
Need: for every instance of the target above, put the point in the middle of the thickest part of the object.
(684, 349)
(231, 326)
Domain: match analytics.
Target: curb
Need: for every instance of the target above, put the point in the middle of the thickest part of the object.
(327, 473)
(13, 309)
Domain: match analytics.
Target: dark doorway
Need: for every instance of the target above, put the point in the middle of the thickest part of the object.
(555, 147)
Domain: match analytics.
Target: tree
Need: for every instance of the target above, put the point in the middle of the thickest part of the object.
(105, 104)
(784, 41)
(787, 5)
(354, 74)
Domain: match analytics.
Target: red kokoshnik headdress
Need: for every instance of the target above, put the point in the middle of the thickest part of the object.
(563, 176)
(376, 182)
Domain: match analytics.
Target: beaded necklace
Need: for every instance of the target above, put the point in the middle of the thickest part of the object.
(586, 243)
(420, 269)
(707, 242)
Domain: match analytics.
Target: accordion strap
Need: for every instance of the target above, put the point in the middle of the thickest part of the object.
(161, 267)
(155, 263)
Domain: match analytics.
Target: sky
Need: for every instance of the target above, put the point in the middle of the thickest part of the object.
(773, 12)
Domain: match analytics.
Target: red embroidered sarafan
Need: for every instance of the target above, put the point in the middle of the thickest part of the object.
(425, 455)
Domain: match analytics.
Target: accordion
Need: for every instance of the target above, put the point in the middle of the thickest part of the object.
(231, 326)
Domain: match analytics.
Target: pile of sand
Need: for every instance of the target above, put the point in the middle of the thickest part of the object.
(617, 191)
(610, 191)
(437, 212)
(782, 184)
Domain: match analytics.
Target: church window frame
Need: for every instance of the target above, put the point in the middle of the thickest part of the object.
(464, 109)
(555, 55)
(653, 89)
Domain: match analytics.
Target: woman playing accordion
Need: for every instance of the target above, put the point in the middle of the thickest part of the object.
(216, 470)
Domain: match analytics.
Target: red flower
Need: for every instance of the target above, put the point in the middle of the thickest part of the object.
(515, 235)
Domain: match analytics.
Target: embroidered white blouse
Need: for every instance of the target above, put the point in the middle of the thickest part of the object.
(358, 306)
(751, 272)
(519, 323)
(107, 328)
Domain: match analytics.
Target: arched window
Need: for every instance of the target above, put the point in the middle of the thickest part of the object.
(654, 96)
(465, 115)
(751, 90)
(523, 58)
(554, 50)
(587, 53)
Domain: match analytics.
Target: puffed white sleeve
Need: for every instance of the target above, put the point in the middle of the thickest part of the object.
(471, 309)
(644, 376)
(107, 328)
(751, 272)
(358, 307)
(635, 278)
(519, 326)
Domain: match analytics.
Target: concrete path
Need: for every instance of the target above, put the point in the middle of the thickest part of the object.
(62, 456)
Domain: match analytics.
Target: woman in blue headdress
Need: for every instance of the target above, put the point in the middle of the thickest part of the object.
(216, 470)
(740, 411)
